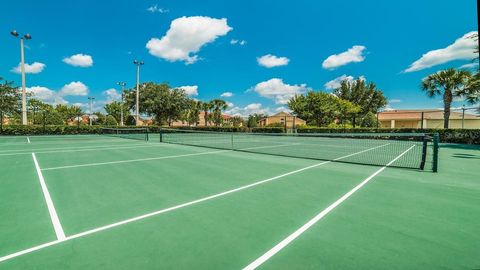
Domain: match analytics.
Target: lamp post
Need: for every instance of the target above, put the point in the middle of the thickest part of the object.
(463, 115)
(122, 86)
(22, 68)
(90, 99)
(138, 64)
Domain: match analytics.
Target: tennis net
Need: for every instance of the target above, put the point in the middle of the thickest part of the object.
(360, 148)
(127, 133)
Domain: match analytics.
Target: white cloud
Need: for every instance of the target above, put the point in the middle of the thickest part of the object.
(394, 100)
(227, 94)
(74, 89)
(249, 109)
(185, 38)
(335, 83)
(283, 109)
(270, 61)
(79, 60)
(278, 90)
(470, 66)
(239, 42)
(352, 55)
(462, 49)
(34, 68)
(112, 94)
(156, 9)
(46, 95)
(230, 105)
(190, 90)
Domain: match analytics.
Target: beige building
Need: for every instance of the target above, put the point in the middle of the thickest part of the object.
(283, 118)
(201, 121)
(426, 119)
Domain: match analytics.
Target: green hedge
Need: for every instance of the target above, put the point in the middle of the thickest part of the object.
(466, 136)
(48, 130)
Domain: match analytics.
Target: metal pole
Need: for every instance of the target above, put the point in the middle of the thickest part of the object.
(422, 120)
(121, 111)
(138, 64)
(122, 84)
(463, 115)
(137, 96)
(24, 90)
(91, 109)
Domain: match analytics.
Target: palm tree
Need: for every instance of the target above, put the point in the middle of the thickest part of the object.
(450, 82)
(206, 107)
(218, 106)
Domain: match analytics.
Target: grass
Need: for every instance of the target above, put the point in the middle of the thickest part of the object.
(400, 219)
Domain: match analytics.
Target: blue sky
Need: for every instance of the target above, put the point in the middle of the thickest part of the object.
(261, 52)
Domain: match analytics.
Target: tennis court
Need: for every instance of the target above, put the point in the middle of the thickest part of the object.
(185, 200)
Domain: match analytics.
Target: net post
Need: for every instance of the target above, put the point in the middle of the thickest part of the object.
(161, 135)
(435, 152)
(424, 151)
(146, 134)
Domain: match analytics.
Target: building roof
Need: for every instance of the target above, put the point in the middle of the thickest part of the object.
(417, 115)
(282, 113)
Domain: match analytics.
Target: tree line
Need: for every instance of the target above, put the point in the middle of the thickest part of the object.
(353, 103)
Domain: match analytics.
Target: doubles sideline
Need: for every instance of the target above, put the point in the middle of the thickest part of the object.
(265, 257)
(176, 207)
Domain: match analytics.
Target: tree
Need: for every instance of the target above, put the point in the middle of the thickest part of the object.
(192, 113)
(206, 107)
(448, 83)
(36, 107)
(319, 108)
(160, 101)
(218, 107)
(130, 121)
(367, 96)
(49, 117)
(9, 99)
(254, 118)
(111, 121)
(347, 110)
(68, 112)
(237, 121)
(99, 118)
(115, 110)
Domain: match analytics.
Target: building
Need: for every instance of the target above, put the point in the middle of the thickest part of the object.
(282, 118)
(201, 121)
(426, 119)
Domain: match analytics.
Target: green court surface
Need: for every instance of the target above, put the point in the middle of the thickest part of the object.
(98, 202)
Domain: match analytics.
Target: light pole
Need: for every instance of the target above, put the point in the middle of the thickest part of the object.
(22, 67)
(463, 115)
(122, 85)
(90, 99)
(138, 64)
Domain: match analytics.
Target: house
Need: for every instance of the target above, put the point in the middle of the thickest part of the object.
(285, 119)
(201, 121)
(426, 119)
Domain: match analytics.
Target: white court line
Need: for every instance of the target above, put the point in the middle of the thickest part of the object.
(28, 139)
(99, 229)
(84, 149)
(65, 141)
(51, 208)
(314, 220)
(131, 160)
(66, 148)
